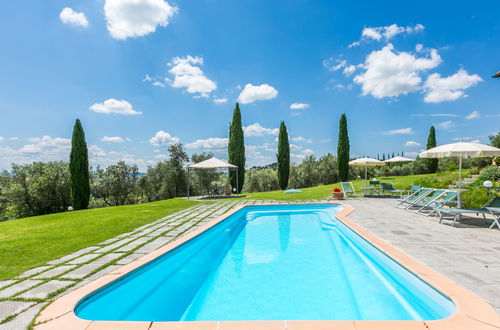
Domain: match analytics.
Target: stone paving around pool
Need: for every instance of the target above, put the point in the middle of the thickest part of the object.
(468, 255)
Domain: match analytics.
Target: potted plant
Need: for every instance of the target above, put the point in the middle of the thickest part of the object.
(337, 194)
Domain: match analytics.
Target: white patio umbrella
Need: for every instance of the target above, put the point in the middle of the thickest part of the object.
(460, 150)
(366, 162)
(398, 159)
(213, 163)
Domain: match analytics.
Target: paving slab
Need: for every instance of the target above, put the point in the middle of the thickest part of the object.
(23, 320)
(82, 271)
(42, 291)
(132, 245)
(108, 257)
(8, 308)
(5, 283)
(72, 255)
(128, 259)
(83, 259)
(18, 287)
(54, 272)
(33, 271)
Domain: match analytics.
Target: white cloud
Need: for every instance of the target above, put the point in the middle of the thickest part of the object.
(114, 139)
(301, 139)
(390, 73)
(163, 138)
(188, 74)
(445, 125)
(419, 47)
(407, 131)
(349, 70)
(210, 144)
(220, 100)
(2, 138)
(412, 144)
(299, 106)
(255, 157)
(136, 18)
(451, 88)
(257, 130)
(14, 138)
(253, 93)
(326, 140)
(120, 107)
(443, 115)
(473, 115)
(333, 64)
(71, 17)
(158, 84)
(388, 32)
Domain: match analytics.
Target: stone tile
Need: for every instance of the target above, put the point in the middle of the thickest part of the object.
(84, 258)
(33, 271)
(18, 287)
(72, 255)
(5, 283)
(128, 259)
(132, 245)
(42, 291)
(104, 271)
(107, 258)
(8, 308)
(23, 320)
(82, 271)
(54, 272)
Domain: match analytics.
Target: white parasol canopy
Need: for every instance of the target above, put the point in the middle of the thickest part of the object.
(212, 163)
(398, 159)
(366, 162)
(461, 149)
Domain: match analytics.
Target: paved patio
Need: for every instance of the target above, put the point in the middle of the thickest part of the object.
(467, 254)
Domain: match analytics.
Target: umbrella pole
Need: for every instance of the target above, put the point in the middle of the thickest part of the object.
(366, 170)
(460, 172)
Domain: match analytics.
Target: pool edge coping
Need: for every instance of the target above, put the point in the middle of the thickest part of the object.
(472, 312)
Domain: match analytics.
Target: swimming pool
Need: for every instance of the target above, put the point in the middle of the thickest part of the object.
(281, 262)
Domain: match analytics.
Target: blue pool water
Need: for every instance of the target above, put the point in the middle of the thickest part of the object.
(286, 262)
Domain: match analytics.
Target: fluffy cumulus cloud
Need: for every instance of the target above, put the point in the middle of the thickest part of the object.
(162, 138)
(407, 131)
(412, 144)
(113, 139)
(446, 125)
(388, 32)
(120, 107)
(188, 75)
(71, 17)
(451, 88)
(209, 144)
(473, 115)
(251, 93)
(136, 18)
(299, 106)
(258, 130)
(389, 73)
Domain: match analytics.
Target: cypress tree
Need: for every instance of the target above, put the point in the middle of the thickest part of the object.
(79, 169)
(283, 157)
(432, 163)
(343, 149)
(236, 149)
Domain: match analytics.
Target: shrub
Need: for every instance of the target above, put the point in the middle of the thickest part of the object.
(491, 173)
(474, 198)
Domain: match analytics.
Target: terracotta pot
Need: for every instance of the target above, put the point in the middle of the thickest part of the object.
(337, 195)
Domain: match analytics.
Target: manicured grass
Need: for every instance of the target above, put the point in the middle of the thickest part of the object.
(400, 182)
(30, 242)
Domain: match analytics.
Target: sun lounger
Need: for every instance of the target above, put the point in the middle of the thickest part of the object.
(414, 198)
(445, 199)
(489, 208)
(427, 200)
(388, 187)
(347, 188)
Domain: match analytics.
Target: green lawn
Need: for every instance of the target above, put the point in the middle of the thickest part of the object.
(400, 182)
(30, 242)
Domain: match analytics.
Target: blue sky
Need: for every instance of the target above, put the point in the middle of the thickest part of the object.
(141, 74)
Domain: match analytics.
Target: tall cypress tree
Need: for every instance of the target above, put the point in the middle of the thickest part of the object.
(283, 157)
(79, 169)
(432, 163)
(236, 149)
(343, 150)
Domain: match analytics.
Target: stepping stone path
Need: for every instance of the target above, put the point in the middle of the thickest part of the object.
(22, 298)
